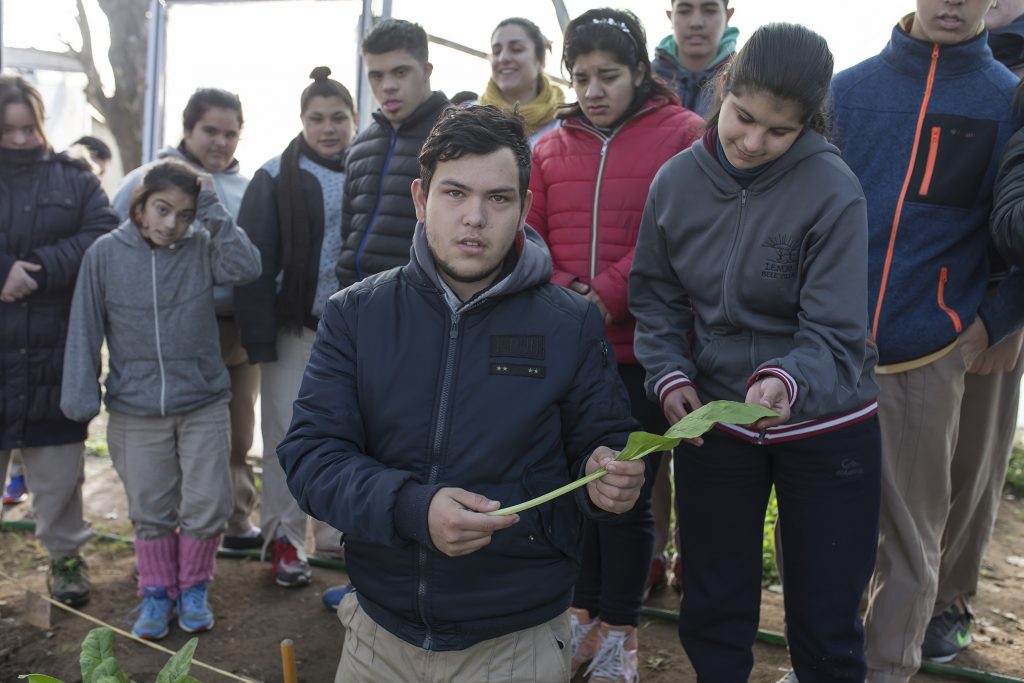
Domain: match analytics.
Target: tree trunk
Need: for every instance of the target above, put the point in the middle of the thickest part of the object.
(128, 37)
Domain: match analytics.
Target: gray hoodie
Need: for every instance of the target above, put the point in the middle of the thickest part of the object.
(231, 186)
(155, 307)
(730, 284)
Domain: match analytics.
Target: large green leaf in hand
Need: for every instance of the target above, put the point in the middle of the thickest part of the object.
(644, 443)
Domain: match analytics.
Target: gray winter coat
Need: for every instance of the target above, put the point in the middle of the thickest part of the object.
(155, 307)
(729, 284)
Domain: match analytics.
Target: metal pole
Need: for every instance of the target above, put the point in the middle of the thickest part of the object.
(153, 104)
(562, 13)
(1, 35)
(364, 98)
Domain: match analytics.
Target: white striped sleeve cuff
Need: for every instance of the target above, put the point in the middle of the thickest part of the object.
(787, 379)
(670, 382)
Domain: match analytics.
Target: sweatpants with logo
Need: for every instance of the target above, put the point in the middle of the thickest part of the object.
(54, 475)
(371, 654)
(920, 416)
(827, 487)
(280, 382)
(988, 424)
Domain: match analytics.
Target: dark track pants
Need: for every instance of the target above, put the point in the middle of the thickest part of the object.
(617, 554)
(828, 489)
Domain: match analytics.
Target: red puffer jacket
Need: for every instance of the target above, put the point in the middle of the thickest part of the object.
(589, 191)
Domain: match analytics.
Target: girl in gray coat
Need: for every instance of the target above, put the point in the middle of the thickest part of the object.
(148, 288)
(749, 283)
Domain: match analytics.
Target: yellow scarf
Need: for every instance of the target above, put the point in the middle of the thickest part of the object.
(538, 112)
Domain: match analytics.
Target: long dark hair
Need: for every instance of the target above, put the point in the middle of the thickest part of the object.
(788, 61)
(16, 90)
(620, 33)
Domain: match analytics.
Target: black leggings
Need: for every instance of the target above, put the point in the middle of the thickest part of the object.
(617, 554)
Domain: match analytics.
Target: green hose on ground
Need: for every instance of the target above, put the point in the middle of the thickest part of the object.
(769, 637)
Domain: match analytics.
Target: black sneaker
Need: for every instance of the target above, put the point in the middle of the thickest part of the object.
(250, 540)
(69, 580)
(947, 635)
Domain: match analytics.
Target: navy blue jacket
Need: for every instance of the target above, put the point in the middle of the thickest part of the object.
(926, 156)
(506, 395)
(51, 210)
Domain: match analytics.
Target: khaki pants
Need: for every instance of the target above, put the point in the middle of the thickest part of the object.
(279, 513)
(920, 417)
(54, 476)
(245, 385)
(988, 423)
(372, 655)
(175, 471)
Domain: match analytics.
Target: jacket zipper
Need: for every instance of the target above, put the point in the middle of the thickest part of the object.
(376, 206)
(593, 218)
(929, 168)
(732, 254)
(156, 326)
(943, 278)
(605, 142)
(903, 192)
(435, 466)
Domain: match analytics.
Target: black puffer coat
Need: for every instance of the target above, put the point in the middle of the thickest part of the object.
(51, 210)
(377, 215)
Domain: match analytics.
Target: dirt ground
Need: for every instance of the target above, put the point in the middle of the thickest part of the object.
(254, 615)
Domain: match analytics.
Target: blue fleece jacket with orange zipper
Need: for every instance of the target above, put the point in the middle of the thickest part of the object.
(923, 126)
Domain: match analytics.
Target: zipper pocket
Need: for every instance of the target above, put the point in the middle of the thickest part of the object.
(929, 167)
(943, 278)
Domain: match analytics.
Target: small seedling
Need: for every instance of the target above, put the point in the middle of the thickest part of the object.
(100, 666)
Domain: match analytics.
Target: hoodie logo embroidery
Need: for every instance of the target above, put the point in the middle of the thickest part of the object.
(782, 258)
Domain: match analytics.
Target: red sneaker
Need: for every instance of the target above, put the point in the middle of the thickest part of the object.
(657, 574)
(289, 568)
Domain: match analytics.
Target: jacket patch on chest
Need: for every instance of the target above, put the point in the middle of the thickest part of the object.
(518, 370)
(518, 346)
(782, 256)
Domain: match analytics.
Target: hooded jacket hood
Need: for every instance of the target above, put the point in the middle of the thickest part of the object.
(532, 267)
(726, 46)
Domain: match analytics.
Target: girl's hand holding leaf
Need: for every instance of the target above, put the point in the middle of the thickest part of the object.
(678, 404)
(771, 393)
(618, 490)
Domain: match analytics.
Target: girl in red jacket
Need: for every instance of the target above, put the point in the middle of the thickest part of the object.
(590, 181)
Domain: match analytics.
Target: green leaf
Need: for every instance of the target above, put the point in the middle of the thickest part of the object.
(645, 443)
(39, 678)
(640, 444)
(189, 679)
(176, 668)
(109, 671)
(97, 647)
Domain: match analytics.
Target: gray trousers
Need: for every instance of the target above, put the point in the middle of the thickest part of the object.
(245, 385)
(988, 423)
(280, 382)
(920, 417)
(54, 475)
(175, 471)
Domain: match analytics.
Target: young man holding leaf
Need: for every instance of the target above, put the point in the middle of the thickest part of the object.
(442, 390)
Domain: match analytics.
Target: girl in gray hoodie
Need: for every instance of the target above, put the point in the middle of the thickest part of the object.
(749, 283)
(148, 288)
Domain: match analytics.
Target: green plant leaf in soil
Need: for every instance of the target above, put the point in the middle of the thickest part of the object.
(39, 678)
(176, 668)
(641, 444)
(97, 648)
